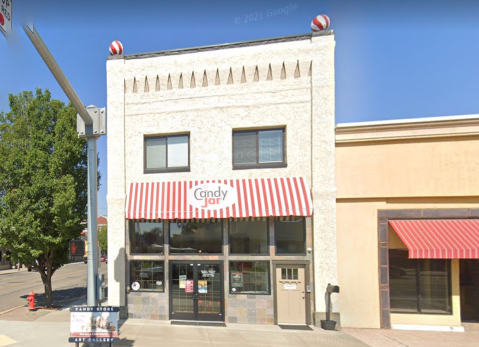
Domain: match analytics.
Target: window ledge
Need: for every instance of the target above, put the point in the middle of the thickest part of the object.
(259, 166)
(153, 171)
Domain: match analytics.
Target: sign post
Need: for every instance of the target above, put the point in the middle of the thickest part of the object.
(5, 16)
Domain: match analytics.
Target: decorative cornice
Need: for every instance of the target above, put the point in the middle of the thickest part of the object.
(404, 129)
(222, 46)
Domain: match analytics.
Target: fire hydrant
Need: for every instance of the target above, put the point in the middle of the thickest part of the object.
(31, 300)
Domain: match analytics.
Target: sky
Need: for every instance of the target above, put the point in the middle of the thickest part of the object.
(393, 59)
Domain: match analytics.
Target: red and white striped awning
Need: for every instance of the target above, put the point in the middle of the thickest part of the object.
(439, 239)
(236, 198)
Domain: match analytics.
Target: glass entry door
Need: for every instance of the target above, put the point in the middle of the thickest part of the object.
(196, 291)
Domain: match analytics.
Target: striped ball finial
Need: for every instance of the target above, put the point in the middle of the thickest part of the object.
(116, 48)
(319, 23)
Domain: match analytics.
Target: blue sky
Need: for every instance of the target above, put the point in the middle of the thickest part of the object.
(394, 59)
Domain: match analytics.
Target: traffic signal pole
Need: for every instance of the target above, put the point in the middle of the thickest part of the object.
(91, 124)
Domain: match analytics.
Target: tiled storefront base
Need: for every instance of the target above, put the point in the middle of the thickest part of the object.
(145, 305)
(242, 309)
(250, 309)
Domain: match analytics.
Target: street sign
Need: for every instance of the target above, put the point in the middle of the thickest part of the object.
(5, 16)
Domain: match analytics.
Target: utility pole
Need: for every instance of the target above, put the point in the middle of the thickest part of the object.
(91, 124)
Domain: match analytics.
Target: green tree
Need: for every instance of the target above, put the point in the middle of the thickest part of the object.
(43, 182)
(103, 238)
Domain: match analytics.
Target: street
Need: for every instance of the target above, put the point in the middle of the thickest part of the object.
(69, 284)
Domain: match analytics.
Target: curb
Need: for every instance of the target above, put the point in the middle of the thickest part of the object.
(23, 269)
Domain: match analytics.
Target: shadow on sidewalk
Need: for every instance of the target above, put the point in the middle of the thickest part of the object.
(61, 297)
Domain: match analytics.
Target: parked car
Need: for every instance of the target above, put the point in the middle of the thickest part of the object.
(33, 266)
(103, 259)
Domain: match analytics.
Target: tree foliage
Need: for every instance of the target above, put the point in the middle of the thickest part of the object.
(43, 181)
(103, 239)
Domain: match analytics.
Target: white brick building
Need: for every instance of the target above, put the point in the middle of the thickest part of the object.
(243, 114)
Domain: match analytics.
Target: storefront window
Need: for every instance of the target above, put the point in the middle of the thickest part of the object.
(248, 237)
(290, 235)
(249, 277)
(148, 274)
(146, 237)
(419, 285)
(196, 237)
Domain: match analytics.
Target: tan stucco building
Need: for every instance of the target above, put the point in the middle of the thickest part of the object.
(406, 171)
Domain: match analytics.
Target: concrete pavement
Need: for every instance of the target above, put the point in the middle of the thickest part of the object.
(19, 327)
(51, 328)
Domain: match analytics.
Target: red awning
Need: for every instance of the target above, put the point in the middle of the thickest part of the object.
(439, 239)
(219, 199)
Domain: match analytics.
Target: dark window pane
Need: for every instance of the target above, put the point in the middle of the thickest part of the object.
(249, 237)
(271, 146)
(402, 282)
(146, 237)
(249, 277)
(419, 285)
(199, 237)
(155, 153)
(245, 148)
(182, 300)
(434, 286)
(290, 236)
(149, 274)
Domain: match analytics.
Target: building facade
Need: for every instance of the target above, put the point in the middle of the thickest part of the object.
(408, 223)
(221, 182)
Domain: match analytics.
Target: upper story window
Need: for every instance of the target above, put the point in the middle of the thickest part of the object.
(259, 148)
(167, 153)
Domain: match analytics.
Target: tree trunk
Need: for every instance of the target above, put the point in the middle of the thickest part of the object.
(47, 283)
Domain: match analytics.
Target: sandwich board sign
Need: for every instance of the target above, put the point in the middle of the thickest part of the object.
(5, 16)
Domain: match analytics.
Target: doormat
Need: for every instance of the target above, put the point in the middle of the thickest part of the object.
(295, 327)
(202, 324)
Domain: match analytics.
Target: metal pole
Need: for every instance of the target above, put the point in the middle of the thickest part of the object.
(57, 73)
(92, 157)
(92, 222)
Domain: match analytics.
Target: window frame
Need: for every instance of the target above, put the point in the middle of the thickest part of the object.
(249, 261)
(282, 254)
(259, 165)
(249, 254)
(417, 265)
(132, 268)
(166, 169)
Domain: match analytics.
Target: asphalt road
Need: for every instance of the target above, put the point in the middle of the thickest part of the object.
(69, 284)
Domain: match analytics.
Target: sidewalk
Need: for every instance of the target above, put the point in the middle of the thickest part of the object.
(9, 271)
(51, 328)
(22, 269)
